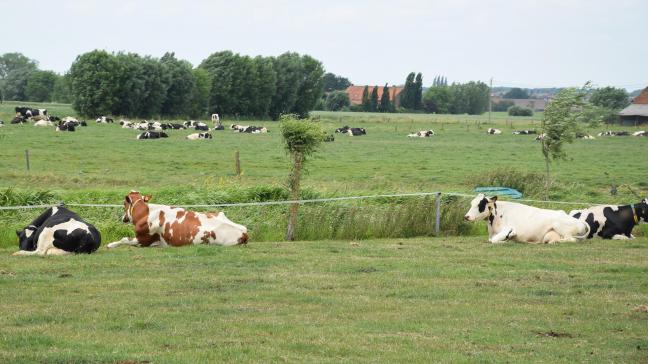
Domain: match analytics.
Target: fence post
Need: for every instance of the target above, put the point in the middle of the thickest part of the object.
(27, 158)
(237, 161)
(437, 210)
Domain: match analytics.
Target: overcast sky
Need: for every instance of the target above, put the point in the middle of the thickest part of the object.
(518, 43)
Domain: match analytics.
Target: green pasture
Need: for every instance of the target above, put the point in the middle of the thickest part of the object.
(432, 300)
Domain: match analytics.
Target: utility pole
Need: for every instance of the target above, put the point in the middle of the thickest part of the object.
(490, 100)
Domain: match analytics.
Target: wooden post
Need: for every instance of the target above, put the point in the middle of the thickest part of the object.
(237, 161)
(437, 224)
(27, 158)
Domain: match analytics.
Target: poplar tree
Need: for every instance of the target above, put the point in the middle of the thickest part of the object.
(374, 99)
(385, 102)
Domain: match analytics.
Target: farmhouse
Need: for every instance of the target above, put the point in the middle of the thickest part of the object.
(533, 104)
(355, 94)
(637, 112)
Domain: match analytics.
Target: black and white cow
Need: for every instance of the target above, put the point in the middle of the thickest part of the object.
(356, 131)
(196, 136)
(66, 126)
(1, 123)
(421, 134)
(613, 133)
(104, 120)
(343, 129)
(152, 135)
(641, 133)
(218, 127)
(176, 126)
(613, 221)
(28, 112)
(200, 126)
(586, 136)
(53, 118)
(493, 131)
(524, 132)
(58, 231)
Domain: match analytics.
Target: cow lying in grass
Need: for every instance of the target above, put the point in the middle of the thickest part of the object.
(161, 225)
(613, 221)
(58, 231)
(526, 224)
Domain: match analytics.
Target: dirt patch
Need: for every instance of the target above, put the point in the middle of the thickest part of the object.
(556, 334)
(641, 308)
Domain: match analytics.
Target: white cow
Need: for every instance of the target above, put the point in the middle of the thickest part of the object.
(493, 131)
(43, 123)
(216, 119)
(526, 224)
(421, 134)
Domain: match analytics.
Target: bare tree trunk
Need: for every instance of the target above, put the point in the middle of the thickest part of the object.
(294, 182)
(547, 179)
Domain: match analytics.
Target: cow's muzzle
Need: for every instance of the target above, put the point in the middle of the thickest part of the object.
(125, 218)
(243, 239)
(467, 218)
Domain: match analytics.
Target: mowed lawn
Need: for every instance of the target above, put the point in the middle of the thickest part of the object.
(403, 300)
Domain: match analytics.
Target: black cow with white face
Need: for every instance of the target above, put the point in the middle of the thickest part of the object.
(613, 221)
(58, 231)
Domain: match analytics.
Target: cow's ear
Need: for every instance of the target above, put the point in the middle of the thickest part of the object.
(147, 198)
(127, 199)
(18, 233)
(493, 199)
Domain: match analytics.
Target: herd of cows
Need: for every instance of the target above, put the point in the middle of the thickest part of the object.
(59, 231)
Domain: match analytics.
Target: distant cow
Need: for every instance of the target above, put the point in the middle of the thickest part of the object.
(584, 136)
(493, 131)
(196, 136)
(176, 126)
(125, 124)
(640, 133)
(190, 123)
(219, 127)
(1, 123)
(613, 133)
(542, 136)
(343, 129)
(18, 119)
(216, 119)
(524, 132)
(201, 126)
(356, 131)
(58, 231)
(421, 134)
(28, 112)
(161, 225)
(152, 135)
(104, 120)
(613, 221)
(53, 118)
(66, 126)
(43, 123)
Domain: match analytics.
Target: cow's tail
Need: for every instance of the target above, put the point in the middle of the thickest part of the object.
(587, 231)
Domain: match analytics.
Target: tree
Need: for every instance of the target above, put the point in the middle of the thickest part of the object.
(301, 139)
(366, 104)
(418, 92)
(61, 92)
(519, 111)
(610, 97)
(180, 81)
(409, 93)
(502, 105)
(93, 83)
(15, 69)
(559, 125)
(337, 100)
(333, 82)
(373, 101)
(385, 102)
(288, 68)
(310, 88)
(516, 93)
(437, 100)
(265, 85)
(40, 85)
(200, 93)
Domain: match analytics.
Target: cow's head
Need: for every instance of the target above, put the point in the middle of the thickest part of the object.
(131, 200)
(26, 238)
(480, 207)
(641, 209)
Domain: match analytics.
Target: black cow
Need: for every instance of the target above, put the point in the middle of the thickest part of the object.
(83, 123)
(219, 127)
(152, 135)
(58, 231)
(18, 119)
(54, 118)
(201, 126)
(612, 221)
(343, 129)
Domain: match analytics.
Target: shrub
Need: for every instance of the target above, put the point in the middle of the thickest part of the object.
(519, 111)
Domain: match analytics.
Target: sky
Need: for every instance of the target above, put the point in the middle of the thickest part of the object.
(549, 43)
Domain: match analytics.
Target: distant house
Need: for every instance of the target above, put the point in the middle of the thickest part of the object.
(637, 112)
(533, 104)
(355, 94)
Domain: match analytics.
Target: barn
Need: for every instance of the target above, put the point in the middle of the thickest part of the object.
(637, 112)
(355, 94)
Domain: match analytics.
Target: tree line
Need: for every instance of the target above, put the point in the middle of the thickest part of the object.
(20, 79)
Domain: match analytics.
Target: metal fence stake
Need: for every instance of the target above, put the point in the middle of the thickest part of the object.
(437, 209)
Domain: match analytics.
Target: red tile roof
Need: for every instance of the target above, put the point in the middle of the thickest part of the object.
(641, 99)
(355, 93)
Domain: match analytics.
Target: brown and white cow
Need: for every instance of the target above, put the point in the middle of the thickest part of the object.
(161, 225)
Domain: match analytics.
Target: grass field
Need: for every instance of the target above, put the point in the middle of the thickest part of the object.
(335, 298)
(400, 300)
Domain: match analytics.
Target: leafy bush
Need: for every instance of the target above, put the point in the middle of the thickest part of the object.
(519, 111)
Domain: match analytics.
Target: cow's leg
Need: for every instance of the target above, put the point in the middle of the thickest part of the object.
(620, 237)
(25, 252)
(551, 237)
(124, 241)
(504, 234)
(57, 251)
